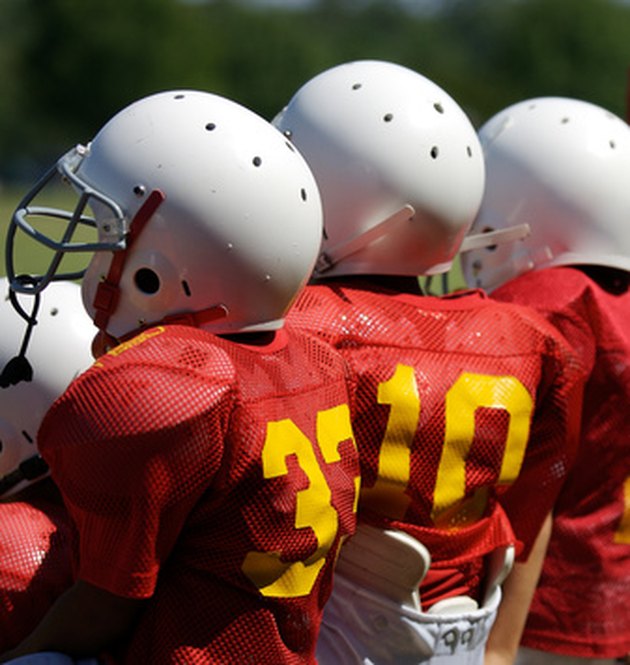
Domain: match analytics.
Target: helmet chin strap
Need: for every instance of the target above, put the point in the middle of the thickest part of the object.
(103, 342)
(108, 291)
(343, 250)
(498, 237)
(32, 468)
(19, 369)
(197, 319)
(520, 262)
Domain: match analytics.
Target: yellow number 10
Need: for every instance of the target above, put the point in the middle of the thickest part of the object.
(622, 535)
(468, 393)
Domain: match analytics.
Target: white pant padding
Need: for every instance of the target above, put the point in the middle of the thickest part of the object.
(361, 627)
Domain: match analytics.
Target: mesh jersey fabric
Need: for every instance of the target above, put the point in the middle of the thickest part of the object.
(449, 390)
(36, 553)
(581, 606)
(216, 479)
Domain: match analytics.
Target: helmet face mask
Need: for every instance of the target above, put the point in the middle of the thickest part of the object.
(59, 349)
(200, 206)
(59, 232)
(398, 165)
(560, 166)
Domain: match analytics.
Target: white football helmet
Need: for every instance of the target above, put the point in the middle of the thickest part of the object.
(398, 165)
(59, 349)
(205, 214)
(561, 166)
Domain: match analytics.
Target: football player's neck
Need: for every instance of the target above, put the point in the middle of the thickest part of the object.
(400, 283)
(612, 280)
(261, 338)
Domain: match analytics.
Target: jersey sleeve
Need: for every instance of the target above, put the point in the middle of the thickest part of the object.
(132, 446)
(553, 440)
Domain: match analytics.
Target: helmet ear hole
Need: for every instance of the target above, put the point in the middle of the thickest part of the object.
(147, 281)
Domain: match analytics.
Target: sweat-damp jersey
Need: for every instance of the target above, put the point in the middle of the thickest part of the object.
(465, 416)
(581, 606)
(216, 479)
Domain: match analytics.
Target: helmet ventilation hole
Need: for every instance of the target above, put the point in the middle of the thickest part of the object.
(434, 152)
(438, 107)
(147, 281)
(388, 117)
(356, 86)
(612, 144)
(54, 311)
(257, 161)
(565, 120)
(288, 143)
(210, 126)
(469, 151)
(303, 194)
(186, 288)
(180, 96)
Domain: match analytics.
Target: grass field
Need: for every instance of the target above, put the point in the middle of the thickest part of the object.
(33, 257)
(9, 198)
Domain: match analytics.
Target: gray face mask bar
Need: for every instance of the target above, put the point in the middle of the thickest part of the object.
(65, 169)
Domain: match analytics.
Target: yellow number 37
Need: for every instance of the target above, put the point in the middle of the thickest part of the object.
(273, 576)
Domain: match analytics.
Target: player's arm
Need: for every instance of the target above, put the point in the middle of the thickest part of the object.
(82, 622)
(518, 591)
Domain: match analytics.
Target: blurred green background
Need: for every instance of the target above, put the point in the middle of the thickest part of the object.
(66, 66)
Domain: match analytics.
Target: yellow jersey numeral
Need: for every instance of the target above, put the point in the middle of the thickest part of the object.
(271, 575)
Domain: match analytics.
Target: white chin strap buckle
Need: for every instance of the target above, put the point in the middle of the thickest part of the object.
(499, 237)
(343, 250)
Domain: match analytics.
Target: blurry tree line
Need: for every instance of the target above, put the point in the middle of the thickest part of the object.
(66, 66)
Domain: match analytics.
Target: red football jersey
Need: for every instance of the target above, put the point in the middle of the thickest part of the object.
(461, 402)
(582, 604)
(36, 554)
(216, 479)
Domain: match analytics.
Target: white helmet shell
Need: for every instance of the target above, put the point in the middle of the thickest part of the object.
(235, 228)
(398, 165)
(59, 350)
(561, 166)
